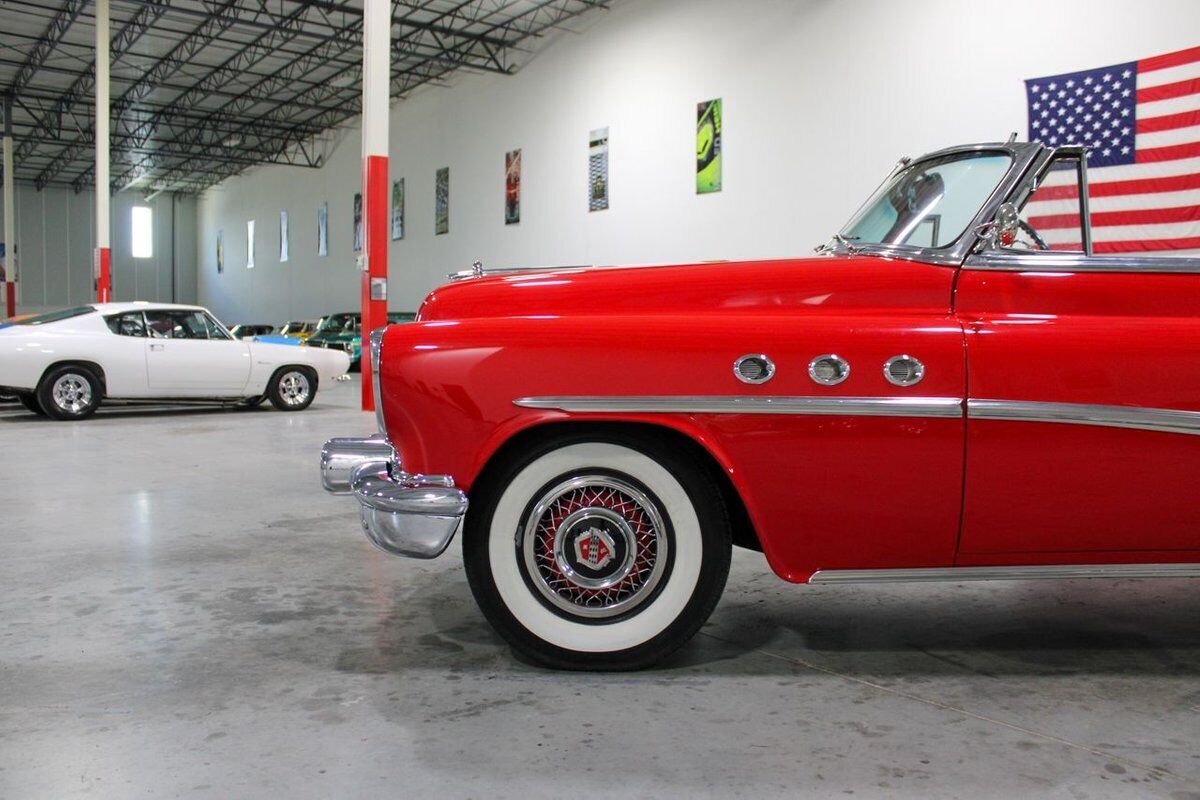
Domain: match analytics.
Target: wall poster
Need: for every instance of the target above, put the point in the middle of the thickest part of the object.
(249, 244)
(708, 146)
(283, 236)
(598, 170)
(441, 202)
(512, 187)
(398, 209)
(220, 251)
(358, 229)
(323, 230)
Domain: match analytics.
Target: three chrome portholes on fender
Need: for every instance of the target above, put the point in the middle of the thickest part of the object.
(829, 369)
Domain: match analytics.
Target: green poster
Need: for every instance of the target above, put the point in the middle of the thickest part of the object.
(708, 146)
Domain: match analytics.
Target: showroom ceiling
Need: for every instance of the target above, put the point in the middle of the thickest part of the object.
(204, 89)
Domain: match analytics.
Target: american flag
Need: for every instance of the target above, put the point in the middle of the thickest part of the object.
(1141, 121)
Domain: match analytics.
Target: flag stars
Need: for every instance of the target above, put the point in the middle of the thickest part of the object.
(1125, 151)
(1126, 74)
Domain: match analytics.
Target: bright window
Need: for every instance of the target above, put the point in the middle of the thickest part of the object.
(141, 232)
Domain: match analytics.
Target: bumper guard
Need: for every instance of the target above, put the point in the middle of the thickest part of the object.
(402, 514)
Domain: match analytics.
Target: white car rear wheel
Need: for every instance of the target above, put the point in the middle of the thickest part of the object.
(598, 554)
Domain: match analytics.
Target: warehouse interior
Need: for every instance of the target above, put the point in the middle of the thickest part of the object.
(186, 613)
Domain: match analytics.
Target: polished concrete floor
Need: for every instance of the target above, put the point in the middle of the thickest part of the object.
(183, 612)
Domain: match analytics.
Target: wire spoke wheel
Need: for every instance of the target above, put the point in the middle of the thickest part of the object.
(595, 546)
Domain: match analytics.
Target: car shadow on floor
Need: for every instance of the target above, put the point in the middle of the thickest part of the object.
(119, 412)
(1099, 627)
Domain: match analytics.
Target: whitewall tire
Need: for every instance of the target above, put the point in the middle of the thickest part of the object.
(597, 553)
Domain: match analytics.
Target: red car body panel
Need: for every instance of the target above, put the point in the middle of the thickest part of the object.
(840, 492)
(1123, 339)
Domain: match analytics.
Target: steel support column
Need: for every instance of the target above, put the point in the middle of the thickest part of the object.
(102, 265)
(10, 238)
(376, 82)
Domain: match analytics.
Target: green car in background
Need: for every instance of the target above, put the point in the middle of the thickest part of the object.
(344, 332)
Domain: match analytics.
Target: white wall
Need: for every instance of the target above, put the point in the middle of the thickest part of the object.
(55, 239)
(820, 99)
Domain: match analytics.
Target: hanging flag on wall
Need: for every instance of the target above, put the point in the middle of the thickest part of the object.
(249, 244)
(598, 169)
(398, 209)
(220, 251)
(512, 187)
(708, 146)
(1141, 121)
(441, 202)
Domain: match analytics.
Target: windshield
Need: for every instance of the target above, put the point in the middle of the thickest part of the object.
(338, 322)
(929, 203)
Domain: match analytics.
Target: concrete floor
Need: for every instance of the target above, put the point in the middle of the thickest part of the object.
(184, 612)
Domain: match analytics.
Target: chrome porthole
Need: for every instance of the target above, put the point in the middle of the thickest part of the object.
(594, 546)
(829, 369)
(903, 370)
(754, 368)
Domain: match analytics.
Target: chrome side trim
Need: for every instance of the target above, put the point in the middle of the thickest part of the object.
(1144, 419)
(1034, 261)
(942, 407)
(376, 358)
(1037, 572)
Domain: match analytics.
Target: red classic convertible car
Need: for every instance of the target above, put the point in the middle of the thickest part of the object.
(937, 395)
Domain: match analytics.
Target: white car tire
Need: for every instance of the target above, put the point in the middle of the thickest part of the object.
(621, 550)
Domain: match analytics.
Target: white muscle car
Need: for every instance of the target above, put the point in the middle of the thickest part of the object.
(63, 363)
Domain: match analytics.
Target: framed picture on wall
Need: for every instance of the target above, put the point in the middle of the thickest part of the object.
(708, 146)
(283, 236)
(398, 209)
(220, 251)
(358, 229)
(441, 202)
(249, 244)
(598, 169)
(323, 229)
(512, 187)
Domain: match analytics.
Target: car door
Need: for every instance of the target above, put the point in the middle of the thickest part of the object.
(188, 354)
(125, 359)
(1083, 405)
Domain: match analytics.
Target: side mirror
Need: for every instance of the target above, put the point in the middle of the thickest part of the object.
(1002, 230)
(1008, 220)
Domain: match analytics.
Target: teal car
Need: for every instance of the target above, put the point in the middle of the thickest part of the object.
(344, 332)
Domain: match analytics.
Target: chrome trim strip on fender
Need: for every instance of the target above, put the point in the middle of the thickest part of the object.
(376, 345)
(1034, 261)
(941, 407)
(1037, 572)
(1144, 419)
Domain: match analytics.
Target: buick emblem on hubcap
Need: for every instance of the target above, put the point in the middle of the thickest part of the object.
(594, 548)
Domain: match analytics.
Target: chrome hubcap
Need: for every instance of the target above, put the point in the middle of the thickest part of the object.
(594, 546)
(294, 388)
(72, 393)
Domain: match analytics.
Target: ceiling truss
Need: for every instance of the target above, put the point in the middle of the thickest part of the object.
(205, 89)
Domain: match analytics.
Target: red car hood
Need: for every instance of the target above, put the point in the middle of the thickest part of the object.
(823, 283)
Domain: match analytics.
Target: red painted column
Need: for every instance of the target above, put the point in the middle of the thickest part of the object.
(376, 93)
(375, 272)
(102, 267)
(102, 261)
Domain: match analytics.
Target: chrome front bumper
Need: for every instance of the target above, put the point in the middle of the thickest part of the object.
(402, 514)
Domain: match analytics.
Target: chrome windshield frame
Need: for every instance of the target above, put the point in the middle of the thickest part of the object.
(1025, 157)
